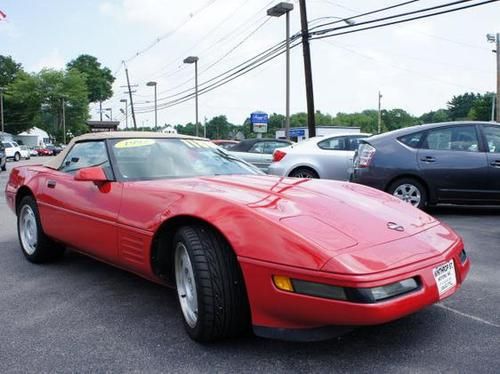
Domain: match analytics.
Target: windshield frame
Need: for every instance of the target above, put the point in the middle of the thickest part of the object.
(110, 142)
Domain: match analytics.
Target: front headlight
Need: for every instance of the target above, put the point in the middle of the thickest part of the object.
(357, 295)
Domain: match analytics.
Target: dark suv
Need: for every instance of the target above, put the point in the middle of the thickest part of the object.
(452, 162)
(3, 158)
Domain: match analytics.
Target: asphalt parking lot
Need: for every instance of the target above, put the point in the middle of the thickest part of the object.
(79, 315)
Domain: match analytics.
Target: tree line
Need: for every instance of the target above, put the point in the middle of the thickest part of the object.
(464, 107)
(37, 99)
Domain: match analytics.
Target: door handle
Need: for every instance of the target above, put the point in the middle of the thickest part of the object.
(495, 164)
(51, 184)
(428, 159)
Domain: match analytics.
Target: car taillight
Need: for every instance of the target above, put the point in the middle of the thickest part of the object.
(278, 155)
(365, 155)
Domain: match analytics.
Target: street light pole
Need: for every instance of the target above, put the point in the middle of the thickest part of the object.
(110, 110)
(492, 38)
(379, 118)
(155, 84)
(194, 60)
(498, 76)
(125, 112)
(277, 11)
(1, 110)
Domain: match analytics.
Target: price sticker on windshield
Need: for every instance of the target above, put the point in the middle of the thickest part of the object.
(132, 143)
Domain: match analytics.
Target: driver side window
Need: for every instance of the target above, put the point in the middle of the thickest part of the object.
(85, 154)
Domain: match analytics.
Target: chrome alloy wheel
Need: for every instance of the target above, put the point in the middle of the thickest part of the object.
(28, 229)
(186, 285)
(408, 193)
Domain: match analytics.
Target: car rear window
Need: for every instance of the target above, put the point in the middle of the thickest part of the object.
(412, 140)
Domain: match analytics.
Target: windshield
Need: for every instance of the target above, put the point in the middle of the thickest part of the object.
(142, 158)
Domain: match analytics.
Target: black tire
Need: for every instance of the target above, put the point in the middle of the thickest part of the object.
(413, 189)
(222, 302)
(45, 248)
(304, 173)
(17, 156)
(4, 166)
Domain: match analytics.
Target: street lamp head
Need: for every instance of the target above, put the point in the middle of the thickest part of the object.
(151, 84)
(491, 38)
(279, 9)
(190, 59)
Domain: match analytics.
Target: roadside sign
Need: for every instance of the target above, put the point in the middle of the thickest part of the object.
(297, 132)
(259, 122)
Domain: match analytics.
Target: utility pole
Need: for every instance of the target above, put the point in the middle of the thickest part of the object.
(1, 110)
(64, 119)
(498, 76)
(379, 120)
(311, 121)
(125, 112)
(131, 100)
(100, 110)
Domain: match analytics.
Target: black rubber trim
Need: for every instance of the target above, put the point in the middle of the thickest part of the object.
(301, 335)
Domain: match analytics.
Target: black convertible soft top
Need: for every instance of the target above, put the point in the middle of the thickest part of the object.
(246, 144)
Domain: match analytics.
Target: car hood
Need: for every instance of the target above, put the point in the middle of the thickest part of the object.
(343, 220)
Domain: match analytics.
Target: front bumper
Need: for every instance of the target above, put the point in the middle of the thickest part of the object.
(293, 316)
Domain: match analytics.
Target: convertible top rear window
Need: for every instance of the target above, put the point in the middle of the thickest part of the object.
(156, 158)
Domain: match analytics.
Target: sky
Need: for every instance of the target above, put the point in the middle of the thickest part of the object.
(418, 66)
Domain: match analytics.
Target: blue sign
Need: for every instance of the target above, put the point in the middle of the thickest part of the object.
(259, 117)
(297, 132)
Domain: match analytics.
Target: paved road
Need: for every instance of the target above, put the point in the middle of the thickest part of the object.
(79, 315)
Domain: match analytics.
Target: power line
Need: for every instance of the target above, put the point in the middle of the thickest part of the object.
(321, 32)
(277, 50)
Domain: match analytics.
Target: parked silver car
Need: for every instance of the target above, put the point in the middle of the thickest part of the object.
(319, 157)
(258, 152)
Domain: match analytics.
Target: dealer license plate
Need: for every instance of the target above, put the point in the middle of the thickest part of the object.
(445, 277)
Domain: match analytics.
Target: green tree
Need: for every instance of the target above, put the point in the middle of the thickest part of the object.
(9, 69)
(99, 79)
(460, 106)
(440, 115)
(481, 108)
(397, 118)
(54, 87)
(22, 103)
(366, 120)
(219, 128)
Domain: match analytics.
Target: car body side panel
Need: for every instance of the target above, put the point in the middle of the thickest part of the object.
(80, 213)
(455, 175)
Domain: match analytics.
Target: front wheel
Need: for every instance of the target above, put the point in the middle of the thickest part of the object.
(409, 190)
(210, 285)
(17, 156)
(36, 246)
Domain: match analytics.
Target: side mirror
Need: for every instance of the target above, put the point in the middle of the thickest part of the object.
(94, 174)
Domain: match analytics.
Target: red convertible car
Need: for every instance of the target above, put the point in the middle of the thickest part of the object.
(292, 258)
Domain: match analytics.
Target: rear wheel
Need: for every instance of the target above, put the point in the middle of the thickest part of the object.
(4, 166)
(36, 246)
(409, 190)
(304, 173)
(209, 284)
